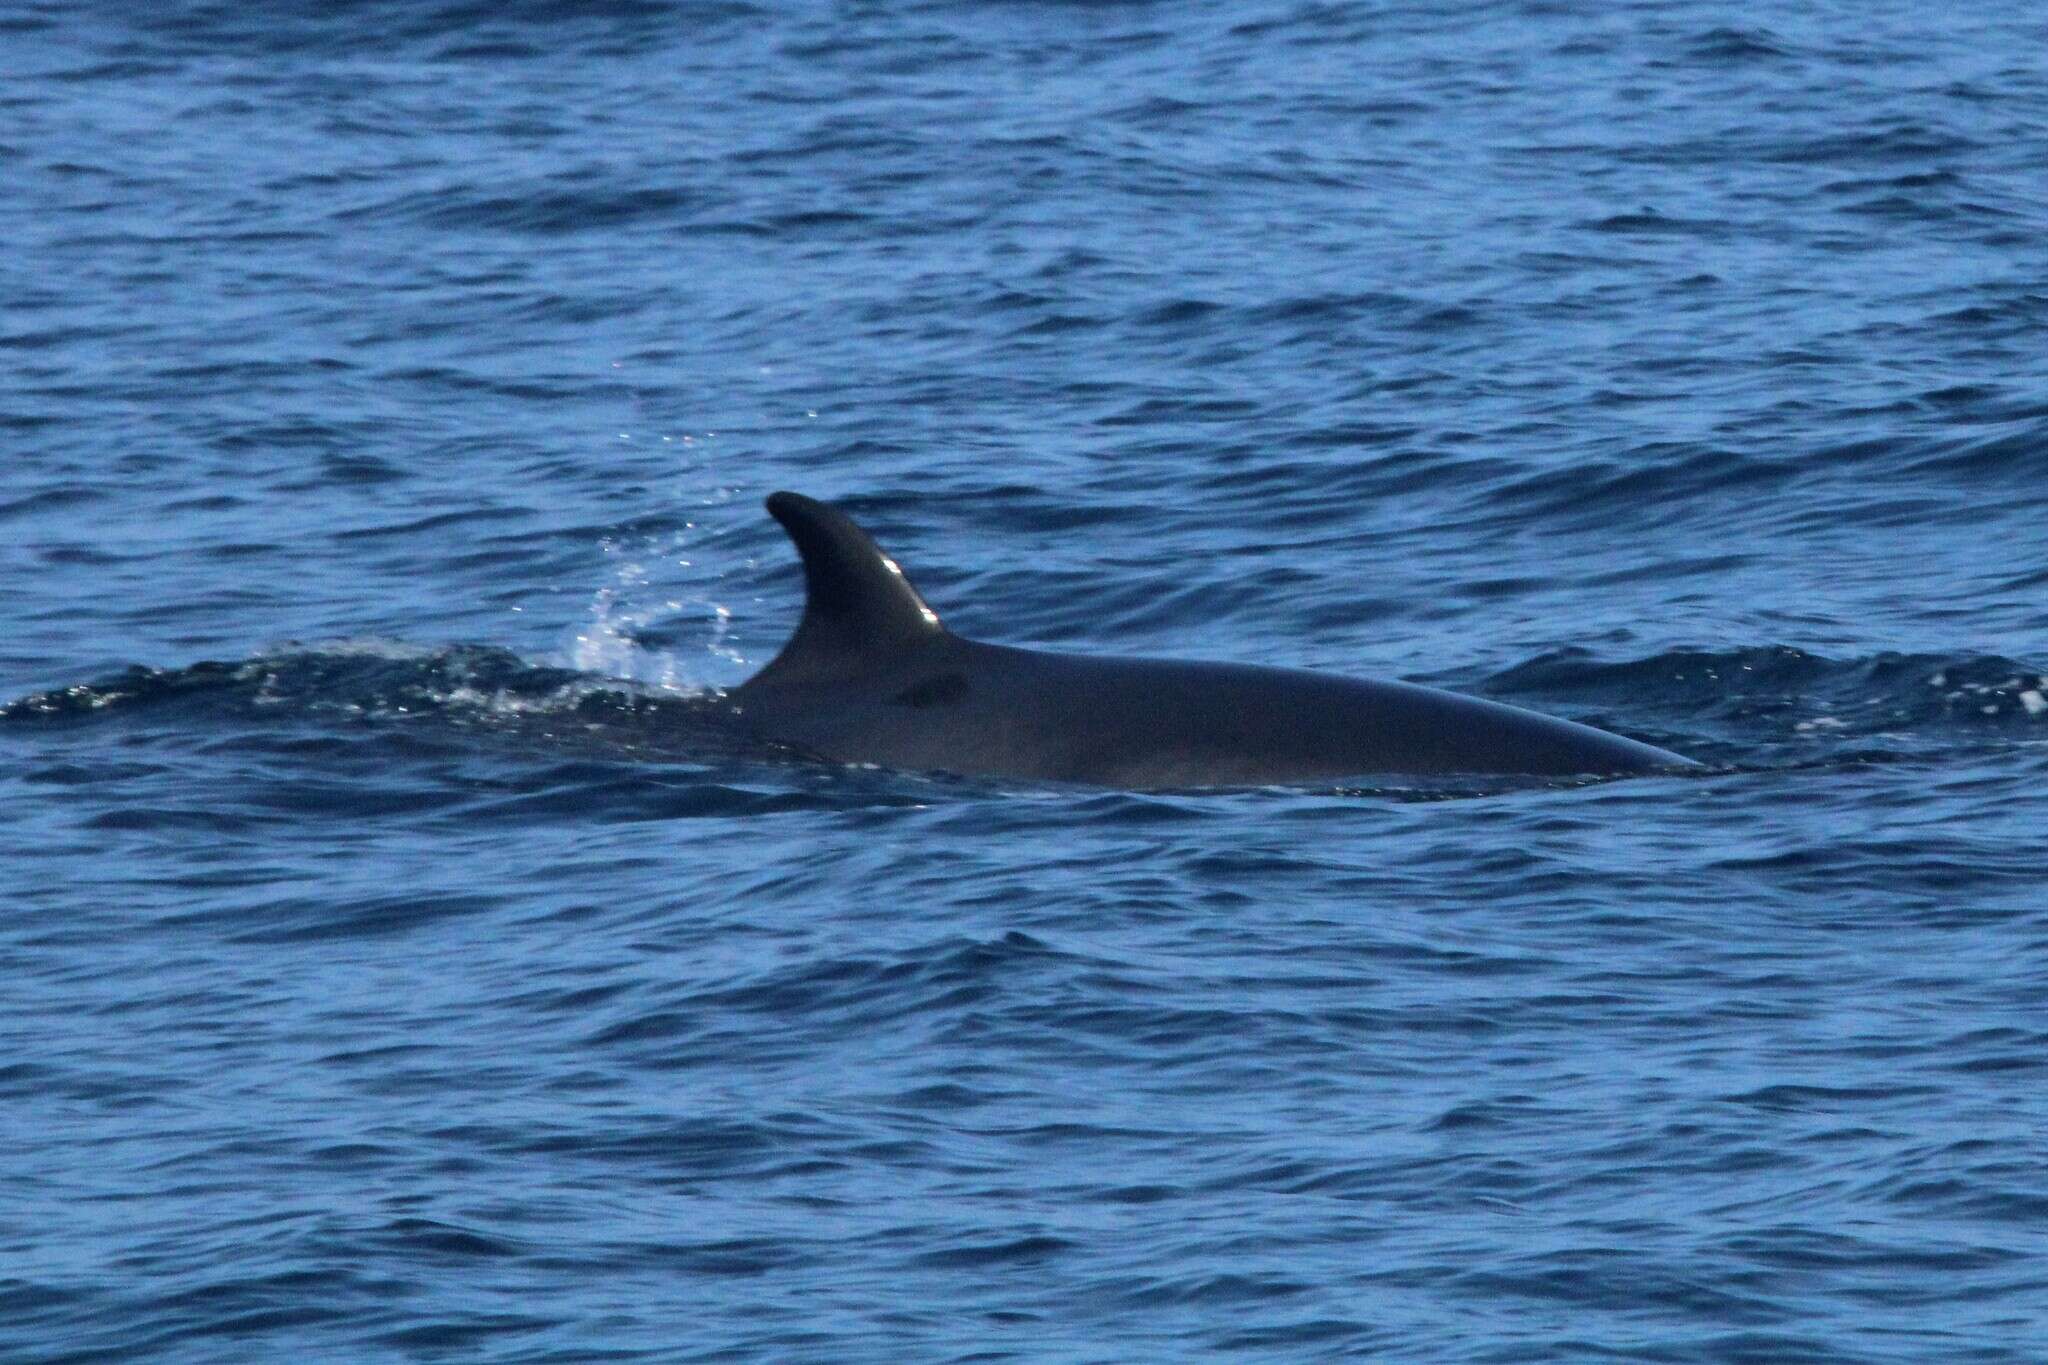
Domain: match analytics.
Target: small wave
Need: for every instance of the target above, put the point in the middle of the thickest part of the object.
(377, 679)
(1777, 692)
(1669, 475)
(49, 500)
(538, 212)
(1727, 46)
(1649, 222)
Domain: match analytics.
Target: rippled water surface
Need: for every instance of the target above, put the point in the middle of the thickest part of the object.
(395, 966)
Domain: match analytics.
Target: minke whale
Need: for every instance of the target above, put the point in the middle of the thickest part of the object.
(871, 676)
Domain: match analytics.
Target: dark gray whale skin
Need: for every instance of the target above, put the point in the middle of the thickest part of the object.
(871, 676)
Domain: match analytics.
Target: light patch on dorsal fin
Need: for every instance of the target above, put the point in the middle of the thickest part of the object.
(858, 604)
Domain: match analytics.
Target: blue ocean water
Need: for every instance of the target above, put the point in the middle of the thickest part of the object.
(393, 968)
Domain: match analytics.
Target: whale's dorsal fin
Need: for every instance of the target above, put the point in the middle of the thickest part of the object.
(858, 604)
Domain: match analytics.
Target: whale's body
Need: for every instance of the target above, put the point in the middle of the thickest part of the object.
(871, 676)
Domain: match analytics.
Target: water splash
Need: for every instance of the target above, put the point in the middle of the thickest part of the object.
(643, 625)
